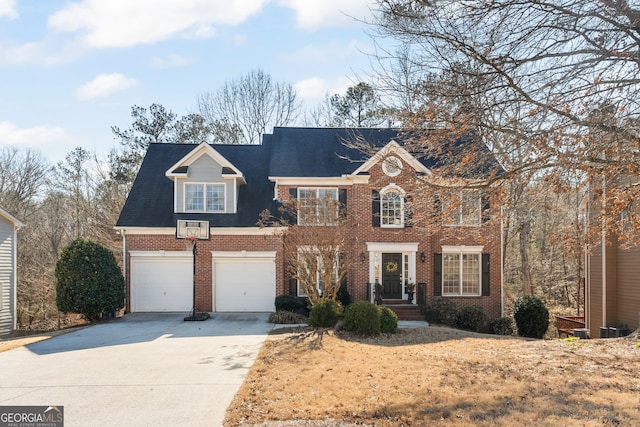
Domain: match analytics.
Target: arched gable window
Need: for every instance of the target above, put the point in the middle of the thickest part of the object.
(392, 207)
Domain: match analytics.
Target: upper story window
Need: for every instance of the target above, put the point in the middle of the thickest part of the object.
(462, 208)
(391, 209)
(204, 197)
(317, 206)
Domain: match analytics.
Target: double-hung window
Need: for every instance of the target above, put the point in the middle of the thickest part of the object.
(317, 206)
(461, 273)
(310, 260)
(462, 208)
(391, 209)
(204, 197)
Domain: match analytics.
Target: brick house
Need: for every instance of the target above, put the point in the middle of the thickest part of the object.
(241, 266)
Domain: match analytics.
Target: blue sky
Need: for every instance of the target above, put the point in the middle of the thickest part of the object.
(69, 70)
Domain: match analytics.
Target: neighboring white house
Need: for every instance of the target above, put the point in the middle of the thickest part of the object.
(8, 277)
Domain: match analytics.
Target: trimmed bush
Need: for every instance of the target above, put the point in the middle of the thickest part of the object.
(293, 304)
(446, 311)
(325, 314)
(362, 318)
(501, 326)
(531, 316)
(431, 315)
(388, 320)
(88, 280)
(472, 318)
(343, 296)
(286, 318)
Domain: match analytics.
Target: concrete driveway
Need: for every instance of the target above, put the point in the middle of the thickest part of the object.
(141, 370)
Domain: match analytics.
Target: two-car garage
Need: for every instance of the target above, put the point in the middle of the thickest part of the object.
(242, 281)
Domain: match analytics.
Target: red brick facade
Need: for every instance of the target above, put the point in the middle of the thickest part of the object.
(168, 242)
(359, 212)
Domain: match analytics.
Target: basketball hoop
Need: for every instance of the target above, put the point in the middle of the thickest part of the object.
(190, 242)
(191, 231)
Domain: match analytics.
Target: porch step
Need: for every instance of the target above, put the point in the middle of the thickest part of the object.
(405, 311)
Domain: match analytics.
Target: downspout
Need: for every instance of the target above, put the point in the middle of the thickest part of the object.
(124, 263)
(501, 261)
(15, 278)
(604, 256)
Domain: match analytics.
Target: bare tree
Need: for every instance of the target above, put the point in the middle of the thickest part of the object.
(245, 108)
(322, 115)
(23, 178)
(317, 244)
(554, 82)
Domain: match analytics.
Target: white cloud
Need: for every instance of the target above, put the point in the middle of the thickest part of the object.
(37, 136)
(314, 14)
(104, 85)
(8, 8)
(172, 60)
(314, 89)
(321, 54)
(122, 23)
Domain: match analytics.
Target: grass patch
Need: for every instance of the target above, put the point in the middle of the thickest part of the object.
(439, 376)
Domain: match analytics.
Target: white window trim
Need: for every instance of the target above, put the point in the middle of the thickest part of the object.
(460, 219)
(389, 188)
(299, 290)
(337, 199)
(463, 250)
(204, 202)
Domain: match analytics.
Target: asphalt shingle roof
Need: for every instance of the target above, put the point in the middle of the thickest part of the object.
(288, 152)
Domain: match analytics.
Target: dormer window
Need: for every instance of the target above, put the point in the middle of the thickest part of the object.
(201, 197)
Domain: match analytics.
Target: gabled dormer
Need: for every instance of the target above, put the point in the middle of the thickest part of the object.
(394, 159)
(204, 181)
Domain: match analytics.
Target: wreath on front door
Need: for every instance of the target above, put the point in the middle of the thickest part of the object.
(391, 266)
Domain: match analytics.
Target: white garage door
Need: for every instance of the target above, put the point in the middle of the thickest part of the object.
(244, 284)
(161, 283)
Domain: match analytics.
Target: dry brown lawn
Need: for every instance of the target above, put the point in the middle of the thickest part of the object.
(439, 376)
(16, 342)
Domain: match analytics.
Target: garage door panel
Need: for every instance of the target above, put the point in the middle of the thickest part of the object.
(244, 285)
(161, 284)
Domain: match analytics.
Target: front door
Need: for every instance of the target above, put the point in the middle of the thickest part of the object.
(391, 276)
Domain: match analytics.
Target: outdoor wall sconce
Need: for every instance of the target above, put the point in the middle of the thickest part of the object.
(363, 257)
(423, 257)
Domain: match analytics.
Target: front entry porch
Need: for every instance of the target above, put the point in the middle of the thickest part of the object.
(392, 266)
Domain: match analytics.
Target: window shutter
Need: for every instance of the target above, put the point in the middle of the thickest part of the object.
(408, 211)
(341, 260)
(293, 286)
(437, 275)
(437, 208)
(342, 199)
(486, 213)
(375, 208)
(293, 205)
(486, 290)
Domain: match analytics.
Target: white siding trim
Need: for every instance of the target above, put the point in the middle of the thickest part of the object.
(230, 231)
